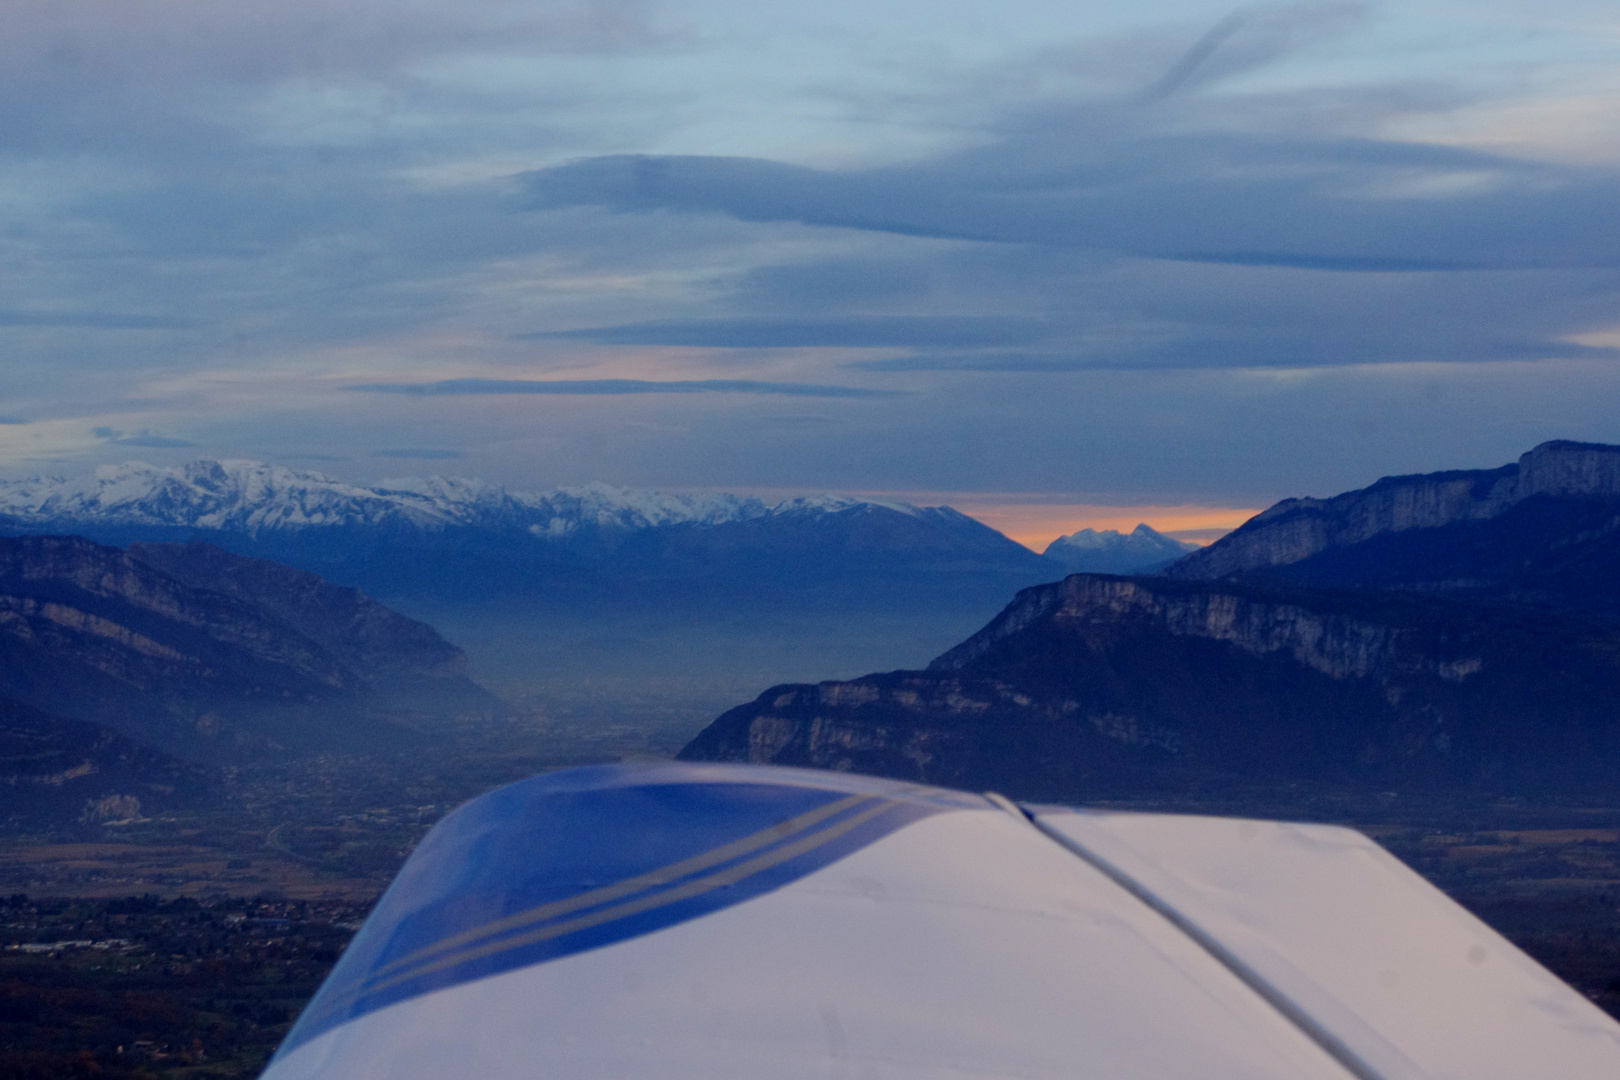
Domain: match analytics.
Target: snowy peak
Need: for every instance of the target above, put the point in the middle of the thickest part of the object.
(1109, 552)
(607, 507)
(253, 497)
(238, 496)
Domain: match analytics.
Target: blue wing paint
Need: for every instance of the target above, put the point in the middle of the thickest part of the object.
(558, 864)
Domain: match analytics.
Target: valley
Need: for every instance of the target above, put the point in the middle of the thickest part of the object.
(220, 743)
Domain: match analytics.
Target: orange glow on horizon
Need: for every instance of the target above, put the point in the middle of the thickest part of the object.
(1036, 525)
(1036, 519)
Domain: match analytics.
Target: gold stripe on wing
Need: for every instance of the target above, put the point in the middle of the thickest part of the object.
(669, 896)
(664, 875)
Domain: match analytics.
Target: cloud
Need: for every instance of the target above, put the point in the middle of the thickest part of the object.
(613, 387)
(849, 285)
(1062, 249)
(1176, 228)
(873, 332)
(1221, 197)
(150, 439)
(1251, 37)
(80, 66)
(1277, 350)
(95, 320)
(422, 455)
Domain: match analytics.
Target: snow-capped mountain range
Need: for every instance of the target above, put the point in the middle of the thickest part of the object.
(458, 541)
(251, 498)
(689, 590)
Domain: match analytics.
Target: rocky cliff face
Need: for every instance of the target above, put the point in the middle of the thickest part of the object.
(1297, 530)
(95, 634)
(1099, 686)
(1337, 643)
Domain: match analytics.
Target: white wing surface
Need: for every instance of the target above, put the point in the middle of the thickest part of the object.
(1334, 927)
(717, 922)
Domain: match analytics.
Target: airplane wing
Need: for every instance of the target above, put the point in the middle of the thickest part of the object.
(729, 922)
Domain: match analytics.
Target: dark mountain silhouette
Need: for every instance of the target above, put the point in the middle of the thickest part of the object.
(212, 656)
(1543, 531)
(1101, 686)
(397, 660)
(1453, 633)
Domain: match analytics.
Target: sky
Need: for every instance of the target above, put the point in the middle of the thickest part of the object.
(1064, 263)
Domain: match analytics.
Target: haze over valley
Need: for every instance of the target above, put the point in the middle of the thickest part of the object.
(600, 598)
(1446, 633)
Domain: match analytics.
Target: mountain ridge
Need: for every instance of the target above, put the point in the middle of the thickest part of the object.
(1101, 687)
(94, 633)
(253, 497)
(340, 530)
(1455, 632)
(1295, 530)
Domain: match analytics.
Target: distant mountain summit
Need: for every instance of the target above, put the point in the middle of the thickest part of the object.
(1141, 551)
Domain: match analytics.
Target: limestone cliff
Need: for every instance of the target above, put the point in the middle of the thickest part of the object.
(1333, 643)
(1296, 530)
(1099, 686)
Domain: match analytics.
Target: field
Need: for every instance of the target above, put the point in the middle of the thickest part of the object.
(145, 987)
